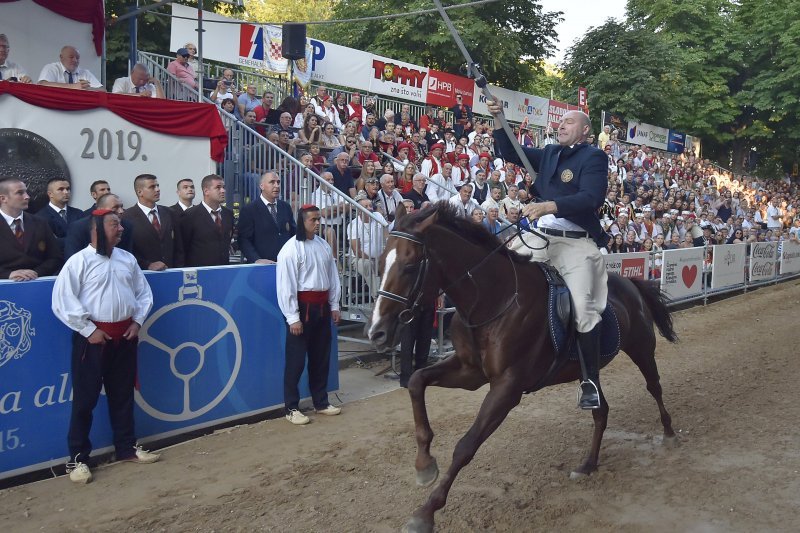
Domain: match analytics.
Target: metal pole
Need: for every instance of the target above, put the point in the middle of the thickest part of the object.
(200, 51)
(133, 29)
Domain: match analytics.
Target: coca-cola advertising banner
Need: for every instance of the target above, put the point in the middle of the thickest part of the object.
(728, 265)
(682, 272)
(443, 88)
(790, 257)
(763, 256)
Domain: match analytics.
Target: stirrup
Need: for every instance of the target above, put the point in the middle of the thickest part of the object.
(592, 385)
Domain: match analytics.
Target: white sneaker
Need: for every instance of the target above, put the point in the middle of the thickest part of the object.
(79, 473)
(297, 418)
(142, 456)
(330, 410)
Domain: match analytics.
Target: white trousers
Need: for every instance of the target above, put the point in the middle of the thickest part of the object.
(581, 264)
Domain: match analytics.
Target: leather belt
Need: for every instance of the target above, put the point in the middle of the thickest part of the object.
(565, 233)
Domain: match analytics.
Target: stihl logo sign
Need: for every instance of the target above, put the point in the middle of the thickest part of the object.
(633, 268)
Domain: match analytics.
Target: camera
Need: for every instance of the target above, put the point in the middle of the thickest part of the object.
(227, 82)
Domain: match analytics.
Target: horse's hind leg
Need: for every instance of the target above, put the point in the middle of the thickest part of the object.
(503, 396)
(449, 373)
(600, 417)
(644, 357)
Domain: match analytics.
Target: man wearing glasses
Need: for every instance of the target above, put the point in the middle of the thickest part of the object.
(342, 177)
(10, 71)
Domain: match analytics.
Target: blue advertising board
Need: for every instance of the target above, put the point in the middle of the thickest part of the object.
(211, 351)
(676, 142)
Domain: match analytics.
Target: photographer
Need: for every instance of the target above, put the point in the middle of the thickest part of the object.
(225, 89)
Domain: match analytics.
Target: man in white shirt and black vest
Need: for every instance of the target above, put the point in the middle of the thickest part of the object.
(102, 295)
(308, 294)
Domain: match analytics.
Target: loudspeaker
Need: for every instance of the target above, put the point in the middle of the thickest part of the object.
(293, 44)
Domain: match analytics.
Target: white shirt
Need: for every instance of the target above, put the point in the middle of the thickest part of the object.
(370, 237)
(389, 202)
(305, 266)
(460, 176)
(464, 210)
(554, 222)
(12, 70)
(126, 86)
(57, 73)
(146, 210)
(324, 198)
(441, 188)
(91, 286)
(426, 167)
(772, 223)
(490, 203)
(10, 221)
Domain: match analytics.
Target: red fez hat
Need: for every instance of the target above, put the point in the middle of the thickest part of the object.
(101, 212)
(463, 156)
(308, 206)
(437, 145)
(487, 155)
(404, 145)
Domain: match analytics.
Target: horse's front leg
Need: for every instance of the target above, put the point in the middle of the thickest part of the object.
(591, 461)
(449, 373)
(503, 396)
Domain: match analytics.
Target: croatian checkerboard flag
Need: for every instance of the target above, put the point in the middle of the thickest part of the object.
(273, 61)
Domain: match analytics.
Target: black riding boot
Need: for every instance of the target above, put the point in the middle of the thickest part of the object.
(589, 354)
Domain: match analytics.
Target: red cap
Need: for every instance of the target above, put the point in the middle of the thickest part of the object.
(437, 145)
(308, 206)
(463, 156)
(101, 212)
(404, 145)
(487, 155)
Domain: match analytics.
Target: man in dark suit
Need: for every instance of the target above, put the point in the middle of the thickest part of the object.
(79, 234)
(185, 197)
(417, 192)
(207, 228)
(96, 190)
(572, 182)
(28, 249)
(156, 240)
(266, 223)
(58, 214)
(462, 113)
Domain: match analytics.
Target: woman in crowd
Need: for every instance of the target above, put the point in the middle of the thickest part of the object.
(310, 132)
(289, 105)
(367, 172)
(374, 139)
(300, 118)
(617, 244)
(630, 245)
(328, 137)
(478, 216)
(348, 131)
(192, 49)
(388, 168)
(405, 180)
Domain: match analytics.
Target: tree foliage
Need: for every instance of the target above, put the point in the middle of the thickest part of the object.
(508, 38)
(288, 11)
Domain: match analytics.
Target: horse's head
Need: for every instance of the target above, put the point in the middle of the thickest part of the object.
(405, 283)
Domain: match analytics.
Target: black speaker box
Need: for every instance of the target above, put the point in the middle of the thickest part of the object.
(293, 45)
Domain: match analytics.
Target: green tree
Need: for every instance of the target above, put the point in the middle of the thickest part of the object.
(627, 70)
(289, 11)
(508, 39)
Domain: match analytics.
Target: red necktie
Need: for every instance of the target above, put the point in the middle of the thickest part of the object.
(156, 223)
(18, 233)
(218, 220)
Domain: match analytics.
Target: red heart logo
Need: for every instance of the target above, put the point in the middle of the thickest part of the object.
(689, 274)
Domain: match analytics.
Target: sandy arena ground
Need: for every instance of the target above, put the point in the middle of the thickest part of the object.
(730, 385)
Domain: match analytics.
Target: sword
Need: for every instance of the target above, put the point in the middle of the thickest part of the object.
(480, 80)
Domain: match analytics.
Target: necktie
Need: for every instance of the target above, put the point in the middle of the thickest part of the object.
(70, 79)
(18, 233)
(1, 72)
(63, 214)
(155, 221)
(138, 90)
(273, 211)
(218, 219)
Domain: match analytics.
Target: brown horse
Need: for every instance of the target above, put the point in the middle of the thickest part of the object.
(499, 332)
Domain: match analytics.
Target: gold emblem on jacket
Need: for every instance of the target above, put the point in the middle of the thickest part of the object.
(566, 176)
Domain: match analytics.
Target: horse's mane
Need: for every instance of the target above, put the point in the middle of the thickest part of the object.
(449, 218)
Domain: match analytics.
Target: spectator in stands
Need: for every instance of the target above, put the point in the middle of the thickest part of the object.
(156, 240)
(66, 73)
(308, 296)
(139, 83)
(366, 153)
(464, 202)
(368, 171)
(341, 107)
(182, 70)
(79, 233)
(58, 213)
(310, 132)
(491, 222)
(387, 120)
(286, 141)
(10, 71)
(320, 96)
(229, 106)
(388, 197)
(328, 138)
(192, 60)
(28, 249)
(367, 236)
(478, 216)
(342, 177)
(356, 112)
(369, 123)
(481, 190)
(97, 189)
(207, 228)
(462, 113)
(348, 131)
(405, 180)
(266, 223)
(441, 186)
(265, 113)
(511, 201)
(461, 171)
(433, 163)
(248, 101)
(331, 208)
(225, 88)
(185, 192)
(617, 244)
(417, 192)
(494, 198)
(300, 118)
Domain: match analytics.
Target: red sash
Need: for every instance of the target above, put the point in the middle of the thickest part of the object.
(115, 330)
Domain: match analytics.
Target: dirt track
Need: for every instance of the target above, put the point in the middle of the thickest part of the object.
(730, 385)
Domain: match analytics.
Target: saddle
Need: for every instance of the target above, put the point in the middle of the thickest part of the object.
(561, 324)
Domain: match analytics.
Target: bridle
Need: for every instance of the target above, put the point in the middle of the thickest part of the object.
(414, 298)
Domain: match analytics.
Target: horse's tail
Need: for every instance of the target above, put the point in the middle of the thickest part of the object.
(657, 301)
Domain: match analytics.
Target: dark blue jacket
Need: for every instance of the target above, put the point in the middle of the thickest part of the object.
(79, 236)
(57, 224)
(259, 236)
(576, 182)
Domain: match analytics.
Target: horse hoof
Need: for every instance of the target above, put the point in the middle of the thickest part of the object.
(671, 442)
(426, 477)
(576, 476)
(417, 525)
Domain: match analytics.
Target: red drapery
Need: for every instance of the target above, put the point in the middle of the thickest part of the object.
(183, 119)
(89, 11)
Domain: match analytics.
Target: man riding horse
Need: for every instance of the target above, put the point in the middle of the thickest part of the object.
(572, 182)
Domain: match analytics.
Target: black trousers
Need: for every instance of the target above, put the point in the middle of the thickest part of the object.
(316, 342)
(112, 364)
(415, 341)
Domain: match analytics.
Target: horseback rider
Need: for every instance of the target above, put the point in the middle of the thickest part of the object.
(572, 182)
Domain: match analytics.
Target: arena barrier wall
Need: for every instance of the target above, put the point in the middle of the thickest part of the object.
(211, 351)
